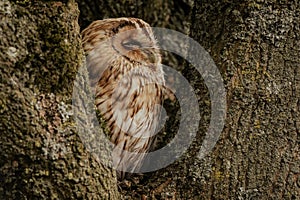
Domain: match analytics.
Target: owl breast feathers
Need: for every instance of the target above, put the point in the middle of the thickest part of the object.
(126, 75)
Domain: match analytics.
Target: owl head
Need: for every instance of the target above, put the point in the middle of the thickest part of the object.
(123, 42)
(129, 37)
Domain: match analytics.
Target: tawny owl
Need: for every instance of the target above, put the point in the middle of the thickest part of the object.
(124, 66)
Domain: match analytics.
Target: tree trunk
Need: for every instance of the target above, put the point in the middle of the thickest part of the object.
(42, 156)
(255, 45)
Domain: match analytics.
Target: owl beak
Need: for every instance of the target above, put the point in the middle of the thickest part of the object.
(152, 55)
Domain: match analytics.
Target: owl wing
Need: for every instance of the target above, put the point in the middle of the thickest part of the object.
(135, 115)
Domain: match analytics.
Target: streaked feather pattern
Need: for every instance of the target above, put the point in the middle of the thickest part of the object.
(126, 75)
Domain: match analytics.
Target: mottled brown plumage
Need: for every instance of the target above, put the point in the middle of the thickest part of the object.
(126, 75)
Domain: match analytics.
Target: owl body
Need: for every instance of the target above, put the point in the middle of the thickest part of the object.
(126, 75)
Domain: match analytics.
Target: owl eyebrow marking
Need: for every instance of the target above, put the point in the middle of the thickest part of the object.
(125, 56)
(131, 44)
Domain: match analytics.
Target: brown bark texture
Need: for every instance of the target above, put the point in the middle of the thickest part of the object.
(41, 154)
(255, 45)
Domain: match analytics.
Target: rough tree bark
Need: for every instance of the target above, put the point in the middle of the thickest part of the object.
(255, 45)
(41, 153)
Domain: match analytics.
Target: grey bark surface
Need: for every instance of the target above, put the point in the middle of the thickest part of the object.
(41, 154)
